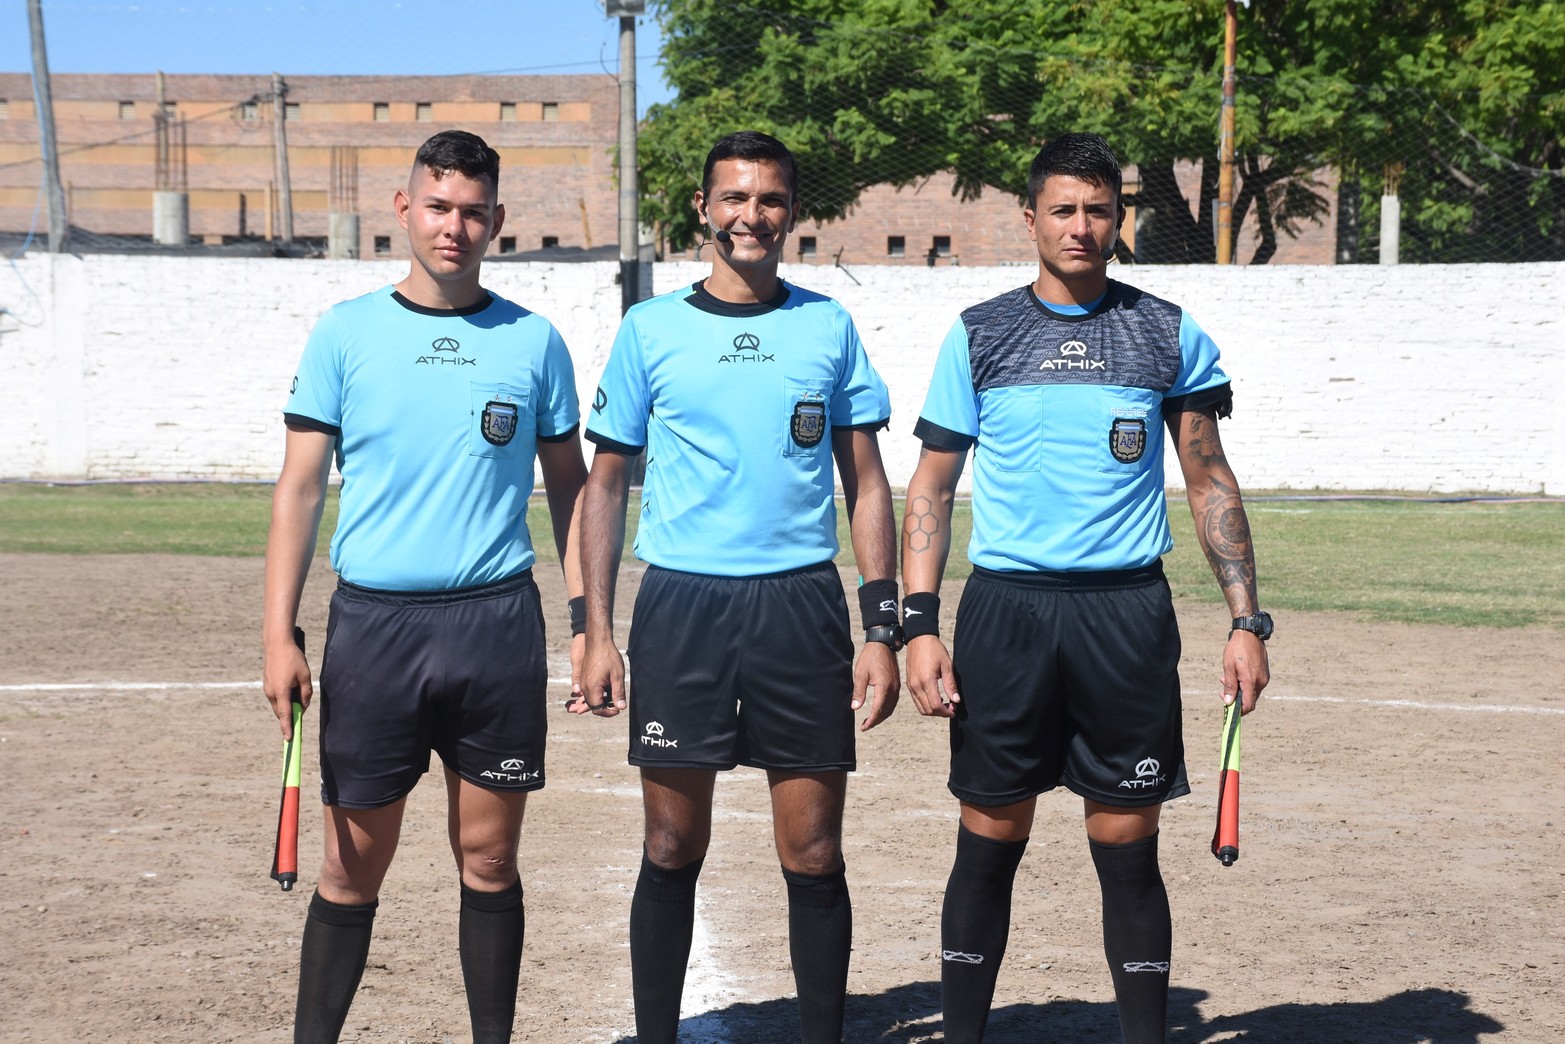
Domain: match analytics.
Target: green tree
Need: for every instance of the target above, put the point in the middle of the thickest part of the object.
(873, 92)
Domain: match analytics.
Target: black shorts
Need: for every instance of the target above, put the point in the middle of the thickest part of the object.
(754, 670)
(1067, 678)
(462, 672)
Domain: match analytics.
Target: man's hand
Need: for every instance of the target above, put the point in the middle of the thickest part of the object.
(930, 678)
(578, 661)
(876, 669)
(283, 669)
(602, 680)
(1246, 670)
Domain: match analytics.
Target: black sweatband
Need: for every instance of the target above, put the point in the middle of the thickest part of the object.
(920, 614)
(578, 609)
(878, 603)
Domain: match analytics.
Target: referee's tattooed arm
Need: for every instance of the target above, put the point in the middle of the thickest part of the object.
(926, 544)
(1223, 530)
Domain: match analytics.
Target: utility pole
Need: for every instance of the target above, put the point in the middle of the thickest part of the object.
(280, 136)
(46, 140)
(631, 290)
(1225, 178)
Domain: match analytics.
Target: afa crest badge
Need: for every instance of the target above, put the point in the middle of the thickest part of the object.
(1128, 439)
(808, 425)
(499, 422)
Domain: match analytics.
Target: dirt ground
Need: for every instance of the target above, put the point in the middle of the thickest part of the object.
(1401, 875)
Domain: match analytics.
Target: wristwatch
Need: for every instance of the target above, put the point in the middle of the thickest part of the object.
(1259, 625)
(889, 635)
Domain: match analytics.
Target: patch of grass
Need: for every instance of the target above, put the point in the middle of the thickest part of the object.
(1480, 564)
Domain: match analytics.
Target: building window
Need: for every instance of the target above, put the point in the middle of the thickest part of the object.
(382, 244)
(290, 112)
(382, 112)
(424, 112)
(507, 112)
(170, 110)
(551, 112)
(5, 109)
(941, 247)
(550, 242)
(250, 112)
(127, 110)
(806, 246)
(507, 244)
(896, 246)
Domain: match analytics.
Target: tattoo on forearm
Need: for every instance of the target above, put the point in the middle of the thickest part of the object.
(1229, 548)
(920, 525)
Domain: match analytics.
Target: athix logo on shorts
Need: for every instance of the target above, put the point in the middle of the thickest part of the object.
(447, 352)
(747, 348)
(654, 736)
(512, 770)
(1073, 356)
(1149, 776)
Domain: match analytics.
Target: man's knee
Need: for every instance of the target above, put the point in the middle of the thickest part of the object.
(672, 846)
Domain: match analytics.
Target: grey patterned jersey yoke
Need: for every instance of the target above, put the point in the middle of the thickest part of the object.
(1131, 339)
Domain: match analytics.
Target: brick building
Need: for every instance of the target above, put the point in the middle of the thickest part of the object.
(554, 135)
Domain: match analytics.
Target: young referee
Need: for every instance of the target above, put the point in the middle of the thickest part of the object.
(1066, 652)
(742, 389)
(435, 397)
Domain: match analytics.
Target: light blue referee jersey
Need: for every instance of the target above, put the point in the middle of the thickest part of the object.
(438, 415)
(735, 405)
(1065, 407)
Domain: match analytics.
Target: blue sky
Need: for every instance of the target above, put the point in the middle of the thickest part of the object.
(320, 37)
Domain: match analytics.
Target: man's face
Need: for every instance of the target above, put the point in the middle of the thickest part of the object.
(751, 202)
(450, 221)
(1073, 223)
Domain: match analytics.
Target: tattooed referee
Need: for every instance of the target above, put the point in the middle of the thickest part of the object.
(1065, 659)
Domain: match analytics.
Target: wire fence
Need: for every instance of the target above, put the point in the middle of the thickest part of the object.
(865, 99)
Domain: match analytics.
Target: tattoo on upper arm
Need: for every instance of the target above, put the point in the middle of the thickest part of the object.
(920, 524)
(1204, 444)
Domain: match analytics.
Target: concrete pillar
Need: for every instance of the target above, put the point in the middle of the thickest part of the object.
(1390, 229)
(171, 218)
(342, 236)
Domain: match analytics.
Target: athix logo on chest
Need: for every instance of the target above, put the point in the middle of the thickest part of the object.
(447, 352)
(747, 348)
(1073, 356)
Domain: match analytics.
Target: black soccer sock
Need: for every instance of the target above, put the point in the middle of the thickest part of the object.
(820, 939)
(1138, 935)
(489, 939)
(662, 916)
(975, 924)
(331, 963)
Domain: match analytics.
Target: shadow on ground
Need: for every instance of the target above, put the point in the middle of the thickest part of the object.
(911, 1014)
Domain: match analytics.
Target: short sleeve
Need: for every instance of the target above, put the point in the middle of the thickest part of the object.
(1201, 383)
(624, 399)
(861, 398)
(316, 393)
(557, 412)
(949, 419)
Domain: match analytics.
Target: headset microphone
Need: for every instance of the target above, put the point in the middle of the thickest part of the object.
(720, 235)
(1108, 251)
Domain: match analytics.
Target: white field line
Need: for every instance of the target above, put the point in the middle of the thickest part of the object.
(251, 683)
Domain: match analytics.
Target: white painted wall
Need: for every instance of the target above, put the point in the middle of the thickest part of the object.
(1421, 378)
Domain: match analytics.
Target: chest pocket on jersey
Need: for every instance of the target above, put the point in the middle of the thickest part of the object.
(497, 414)
(808, 415)
(1011, 429)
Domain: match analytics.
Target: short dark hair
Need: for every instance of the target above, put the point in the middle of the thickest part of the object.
(461, 152)
(752, 145)
(1086, 157)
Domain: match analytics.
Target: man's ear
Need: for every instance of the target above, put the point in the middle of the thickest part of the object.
(401, 204)
(499, 220)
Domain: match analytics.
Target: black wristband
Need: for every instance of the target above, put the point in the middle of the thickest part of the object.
(578, 610)
(878, 603)
(920, 614)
